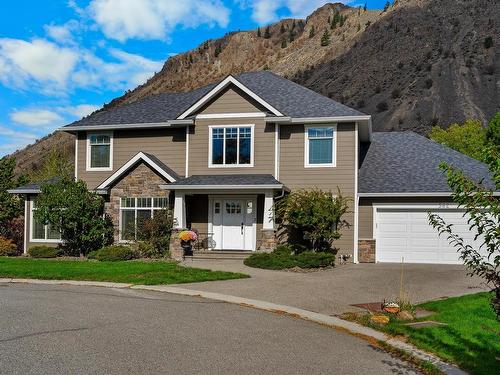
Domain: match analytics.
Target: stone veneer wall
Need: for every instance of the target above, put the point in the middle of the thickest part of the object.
(141, 181)
(366, 251)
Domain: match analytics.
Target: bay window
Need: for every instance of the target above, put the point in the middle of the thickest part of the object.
(320, 146)
(231, 146)
(135, 211)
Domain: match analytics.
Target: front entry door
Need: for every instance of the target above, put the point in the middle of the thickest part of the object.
(233, 223)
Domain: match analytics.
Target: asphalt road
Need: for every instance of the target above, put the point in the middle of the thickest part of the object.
(84, 330)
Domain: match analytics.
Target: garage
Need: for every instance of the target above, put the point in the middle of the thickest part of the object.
(404, 232)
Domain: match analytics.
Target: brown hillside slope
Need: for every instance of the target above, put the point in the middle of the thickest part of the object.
(423, 60)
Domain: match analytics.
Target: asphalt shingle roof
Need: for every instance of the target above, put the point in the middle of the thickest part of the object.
(289, 98)
(35, 186)
(234, 179)
(398, 162)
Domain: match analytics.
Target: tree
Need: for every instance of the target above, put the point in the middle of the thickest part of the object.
(468, 138)
(482, 209)
(387, 5)
(325, 38)
(488, 42)
(283, 43)
(11, 206)
(282, 29)
(316, 214)
(364, 7)
(493, 131)
(77, 213)
(258, 32)
(56, 164)
(311, 32)
(267, 33)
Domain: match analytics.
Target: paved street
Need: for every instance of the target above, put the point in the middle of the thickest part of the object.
(332, 291)
(81, 330)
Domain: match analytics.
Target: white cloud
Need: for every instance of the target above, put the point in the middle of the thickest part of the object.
(51, 69)
(62, 34)
(154, 19)
(16, 140)
(266, 11)
(36, 117)
(38, 60)
(81, 110)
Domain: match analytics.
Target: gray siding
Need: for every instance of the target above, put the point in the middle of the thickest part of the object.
(169, 145)
(295, 176)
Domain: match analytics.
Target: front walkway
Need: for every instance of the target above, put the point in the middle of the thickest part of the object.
(333, 291)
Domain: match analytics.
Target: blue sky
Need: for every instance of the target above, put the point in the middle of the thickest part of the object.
(62, 59)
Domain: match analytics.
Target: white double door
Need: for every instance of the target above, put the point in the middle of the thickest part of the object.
(233, 222)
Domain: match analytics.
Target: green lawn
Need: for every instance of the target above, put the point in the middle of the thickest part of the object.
(134, 272)
(471, 339)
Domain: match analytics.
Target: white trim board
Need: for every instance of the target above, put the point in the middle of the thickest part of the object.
(124, 168)
(146, 125)
(210, 144)
(230, 115)
(220, 187)
(333, 164)
(222, 85)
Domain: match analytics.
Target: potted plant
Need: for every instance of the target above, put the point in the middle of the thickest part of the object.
(187, 237)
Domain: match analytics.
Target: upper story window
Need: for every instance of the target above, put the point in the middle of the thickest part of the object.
(320, 146)
(231, 146)
(99, 151)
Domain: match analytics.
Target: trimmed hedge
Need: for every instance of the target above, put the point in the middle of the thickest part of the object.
(44, 252)
(281, 260)
(113, 253)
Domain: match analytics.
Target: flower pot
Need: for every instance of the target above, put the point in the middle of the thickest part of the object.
(187, 247)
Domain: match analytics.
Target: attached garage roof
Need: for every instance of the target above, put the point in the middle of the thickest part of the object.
(405, 162)
(234, 181)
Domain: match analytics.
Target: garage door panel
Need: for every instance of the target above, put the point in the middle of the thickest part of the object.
(407, 233)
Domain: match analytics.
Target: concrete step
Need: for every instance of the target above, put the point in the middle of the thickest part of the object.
(220, 254)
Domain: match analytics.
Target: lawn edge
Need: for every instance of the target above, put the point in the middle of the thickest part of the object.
(368, 334)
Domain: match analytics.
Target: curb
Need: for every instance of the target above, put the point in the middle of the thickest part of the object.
(327, 320)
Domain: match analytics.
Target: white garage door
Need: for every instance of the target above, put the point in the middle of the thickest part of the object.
(406, 233)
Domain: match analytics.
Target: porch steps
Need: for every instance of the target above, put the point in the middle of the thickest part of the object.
(226, 254)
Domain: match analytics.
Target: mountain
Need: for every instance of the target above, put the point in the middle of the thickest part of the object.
(420, 63)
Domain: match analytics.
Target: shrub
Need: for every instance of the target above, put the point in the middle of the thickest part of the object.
(315, 214)
(14, 231)
(156, 233)
(488, 42)
(7, 247)
(113, 253)
(44, 252)
(396, 93)
(280, 260)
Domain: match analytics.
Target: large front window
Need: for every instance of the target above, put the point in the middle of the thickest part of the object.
(99, 151)
(231, 145)
(320, 146)
(134, 212)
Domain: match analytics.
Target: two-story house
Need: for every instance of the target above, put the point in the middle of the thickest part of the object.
(220, 155)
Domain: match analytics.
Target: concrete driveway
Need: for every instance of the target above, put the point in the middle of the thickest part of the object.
(48, 329)
(333, 291)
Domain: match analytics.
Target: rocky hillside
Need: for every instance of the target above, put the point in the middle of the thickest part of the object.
(421, 62)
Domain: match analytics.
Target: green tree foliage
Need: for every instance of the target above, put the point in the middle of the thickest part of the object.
(154, 234)
(267, 33)
(325, 38)
(364, 7)
(493, 131)
(488, 42)
(258, 32)
(283, 43)
(483, 210)
(317, 214)
(56, 164)
(11, 206)
(468, 138)
(311, 32)
(77, 213)
(282, 29)
(335, 20)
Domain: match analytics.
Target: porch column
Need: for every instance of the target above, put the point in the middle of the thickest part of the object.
(268, 220)
(180, 210)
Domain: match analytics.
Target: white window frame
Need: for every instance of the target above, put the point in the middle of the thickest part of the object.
(135, 209)
(306, 146)
(100, 169)
(223, 165)
(46, 229)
